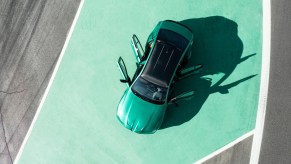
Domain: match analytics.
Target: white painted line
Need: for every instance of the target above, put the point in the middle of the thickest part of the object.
(49, 83)
(225, 147)
(258, 132)
(266, 53)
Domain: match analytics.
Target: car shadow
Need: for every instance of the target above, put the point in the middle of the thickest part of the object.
(218, 47)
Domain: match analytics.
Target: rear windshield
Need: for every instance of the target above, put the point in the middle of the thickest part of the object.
(173, 38)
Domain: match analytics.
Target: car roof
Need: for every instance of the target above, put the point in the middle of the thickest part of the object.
(165, 57)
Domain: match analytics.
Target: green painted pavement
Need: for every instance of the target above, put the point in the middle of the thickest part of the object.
(77, 122)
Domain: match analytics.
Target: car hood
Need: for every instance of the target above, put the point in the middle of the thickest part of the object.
(139, 115)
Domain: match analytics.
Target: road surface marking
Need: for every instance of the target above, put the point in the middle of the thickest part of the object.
(256, 146)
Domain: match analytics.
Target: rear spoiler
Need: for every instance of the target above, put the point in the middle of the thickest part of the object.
(180, 24)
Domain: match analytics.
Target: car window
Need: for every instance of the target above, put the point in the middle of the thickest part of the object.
(149, 91)
(148, 47)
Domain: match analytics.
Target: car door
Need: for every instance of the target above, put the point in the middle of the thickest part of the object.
(137, 49)
(122, 68)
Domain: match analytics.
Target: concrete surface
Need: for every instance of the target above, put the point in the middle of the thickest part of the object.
(276, 142)
(32, 34)
(78, 116)
(238, 154)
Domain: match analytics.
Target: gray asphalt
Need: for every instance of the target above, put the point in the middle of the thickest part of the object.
(32, 34)
(276, 142)
(237, 154)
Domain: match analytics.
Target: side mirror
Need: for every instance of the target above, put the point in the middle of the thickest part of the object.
(181, 96)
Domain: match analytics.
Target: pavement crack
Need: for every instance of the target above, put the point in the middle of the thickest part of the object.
(12, 92)
(5, 138)
(2, 122)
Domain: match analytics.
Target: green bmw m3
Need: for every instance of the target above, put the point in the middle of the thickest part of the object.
(144, 102)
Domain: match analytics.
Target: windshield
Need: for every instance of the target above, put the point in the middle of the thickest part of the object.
(149, 91)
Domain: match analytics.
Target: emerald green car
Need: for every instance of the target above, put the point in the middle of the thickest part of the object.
(144, 102)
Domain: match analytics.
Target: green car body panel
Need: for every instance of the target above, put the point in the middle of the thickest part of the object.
(134, 111)
(139, 115)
